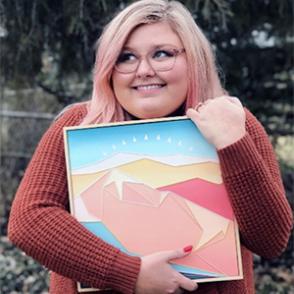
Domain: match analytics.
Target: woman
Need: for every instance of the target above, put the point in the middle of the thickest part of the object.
(152, 61)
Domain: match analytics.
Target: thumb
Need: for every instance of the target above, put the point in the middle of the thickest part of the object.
(179, 253)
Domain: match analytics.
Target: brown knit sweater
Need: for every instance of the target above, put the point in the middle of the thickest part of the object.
(42, 227)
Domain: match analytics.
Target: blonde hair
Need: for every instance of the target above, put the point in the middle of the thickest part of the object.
(204, 82)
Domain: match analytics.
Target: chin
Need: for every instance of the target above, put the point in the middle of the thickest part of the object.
(147, 116)
(151, 114)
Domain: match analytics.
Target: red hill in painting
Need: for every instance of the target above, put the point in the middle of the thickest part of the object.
(208, 195)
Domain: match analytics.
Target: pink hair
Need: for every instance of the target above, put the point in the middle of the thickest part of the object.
(203, 78)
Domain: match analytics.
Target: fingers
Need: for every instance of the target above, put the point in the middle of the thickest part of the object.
(173, 254)
(235, 100)
(232, 99)
(202, 104)
(187, 284)
(182, 283)
(158, 276)
(198, 106)
(179, 291)
(192, 114)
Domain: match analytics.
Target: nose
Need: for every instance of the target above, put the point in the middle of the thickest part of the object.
(144, 69)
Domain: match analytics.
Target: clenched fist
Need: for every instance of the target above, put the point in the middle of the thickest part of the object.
(221, 120)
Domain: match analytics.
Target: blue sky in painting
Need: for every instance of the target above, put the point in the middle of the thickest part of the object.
(161, 138)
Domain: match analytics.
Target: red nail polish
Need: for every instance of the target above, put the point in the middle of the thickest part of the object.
(188, 248)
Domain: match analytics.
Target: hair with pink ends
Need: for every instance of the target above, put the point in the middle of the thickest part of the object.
(204, 82)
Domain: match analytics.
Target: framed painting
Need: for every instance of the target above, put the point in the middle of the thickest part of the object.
(162, 181)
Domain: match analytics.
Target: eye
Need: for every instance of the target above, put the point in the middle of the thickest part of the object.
(163, 54)
(126, 57)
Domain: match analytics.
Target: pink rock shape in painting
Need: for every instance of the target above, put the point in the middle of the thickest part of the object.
(147, 220)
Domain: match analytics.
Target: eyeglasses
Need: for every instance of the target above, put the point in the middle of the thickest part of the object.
(160, 59)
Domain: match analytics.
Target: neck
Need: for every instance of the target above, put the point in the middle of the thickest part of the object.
(178, 112)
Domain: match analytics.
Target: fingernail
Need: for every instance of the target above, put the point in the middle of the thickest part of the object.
(188, 248)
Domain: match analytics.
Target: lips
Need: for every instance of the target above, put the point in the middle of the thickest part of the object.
(148, 87)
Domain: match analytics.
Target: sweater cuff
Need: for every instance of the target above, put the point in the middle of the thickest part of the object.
(124, 273)
(239, 157)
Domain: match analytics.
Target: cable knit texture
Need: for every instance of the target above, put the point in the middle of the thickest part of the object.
(42, 227)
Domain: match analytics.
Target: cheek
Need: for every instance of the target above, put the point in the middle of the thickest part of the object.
(120, 82)
(178, 87)
(121, 88)
(178, 78)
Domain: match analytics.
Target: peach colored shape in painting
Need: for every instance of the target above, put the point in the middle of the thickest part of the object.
(151, 228)
(195, 260)
(204, 217)
(204, 213)
(93, 197)
(219, 257)
(132, 196)
(227, 263)
(142, 191)
(184, 204)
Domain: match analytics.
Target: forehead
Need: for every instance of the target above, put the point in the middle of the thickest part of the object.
(150, 35)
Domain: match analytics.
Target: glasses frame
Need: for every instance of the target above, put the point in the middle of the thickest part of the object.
(177, 51)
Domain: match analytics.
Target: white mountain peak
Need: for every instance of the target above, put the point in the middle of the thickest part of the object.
(118, 178)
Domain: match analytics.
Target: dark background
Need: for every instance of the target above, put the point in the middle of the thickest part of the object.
(46, 60)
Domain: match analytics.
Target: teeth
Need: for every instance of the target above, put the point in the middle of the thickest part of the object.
(149, 87)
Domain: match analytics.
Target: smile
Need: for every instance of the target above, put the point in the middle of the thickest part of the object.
(148, 87)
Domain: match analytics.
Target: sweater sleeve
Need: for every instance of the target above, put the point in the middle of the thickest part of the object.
(41, 225)
(252, 178)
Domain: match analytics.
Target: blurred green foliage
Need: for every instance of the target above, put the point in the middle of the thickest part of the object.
(51, 43)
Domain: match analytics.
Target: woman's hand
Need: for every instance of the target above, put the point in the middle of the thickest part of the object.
(221, 120)
(156, 275)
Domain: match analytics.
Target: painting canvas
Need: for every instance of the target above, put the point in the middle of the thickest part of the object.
(151, 185)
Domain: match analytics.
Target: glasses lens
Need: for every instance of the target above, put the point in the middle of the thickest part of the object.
(127, 62)
(125, 68)
(163, 59)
